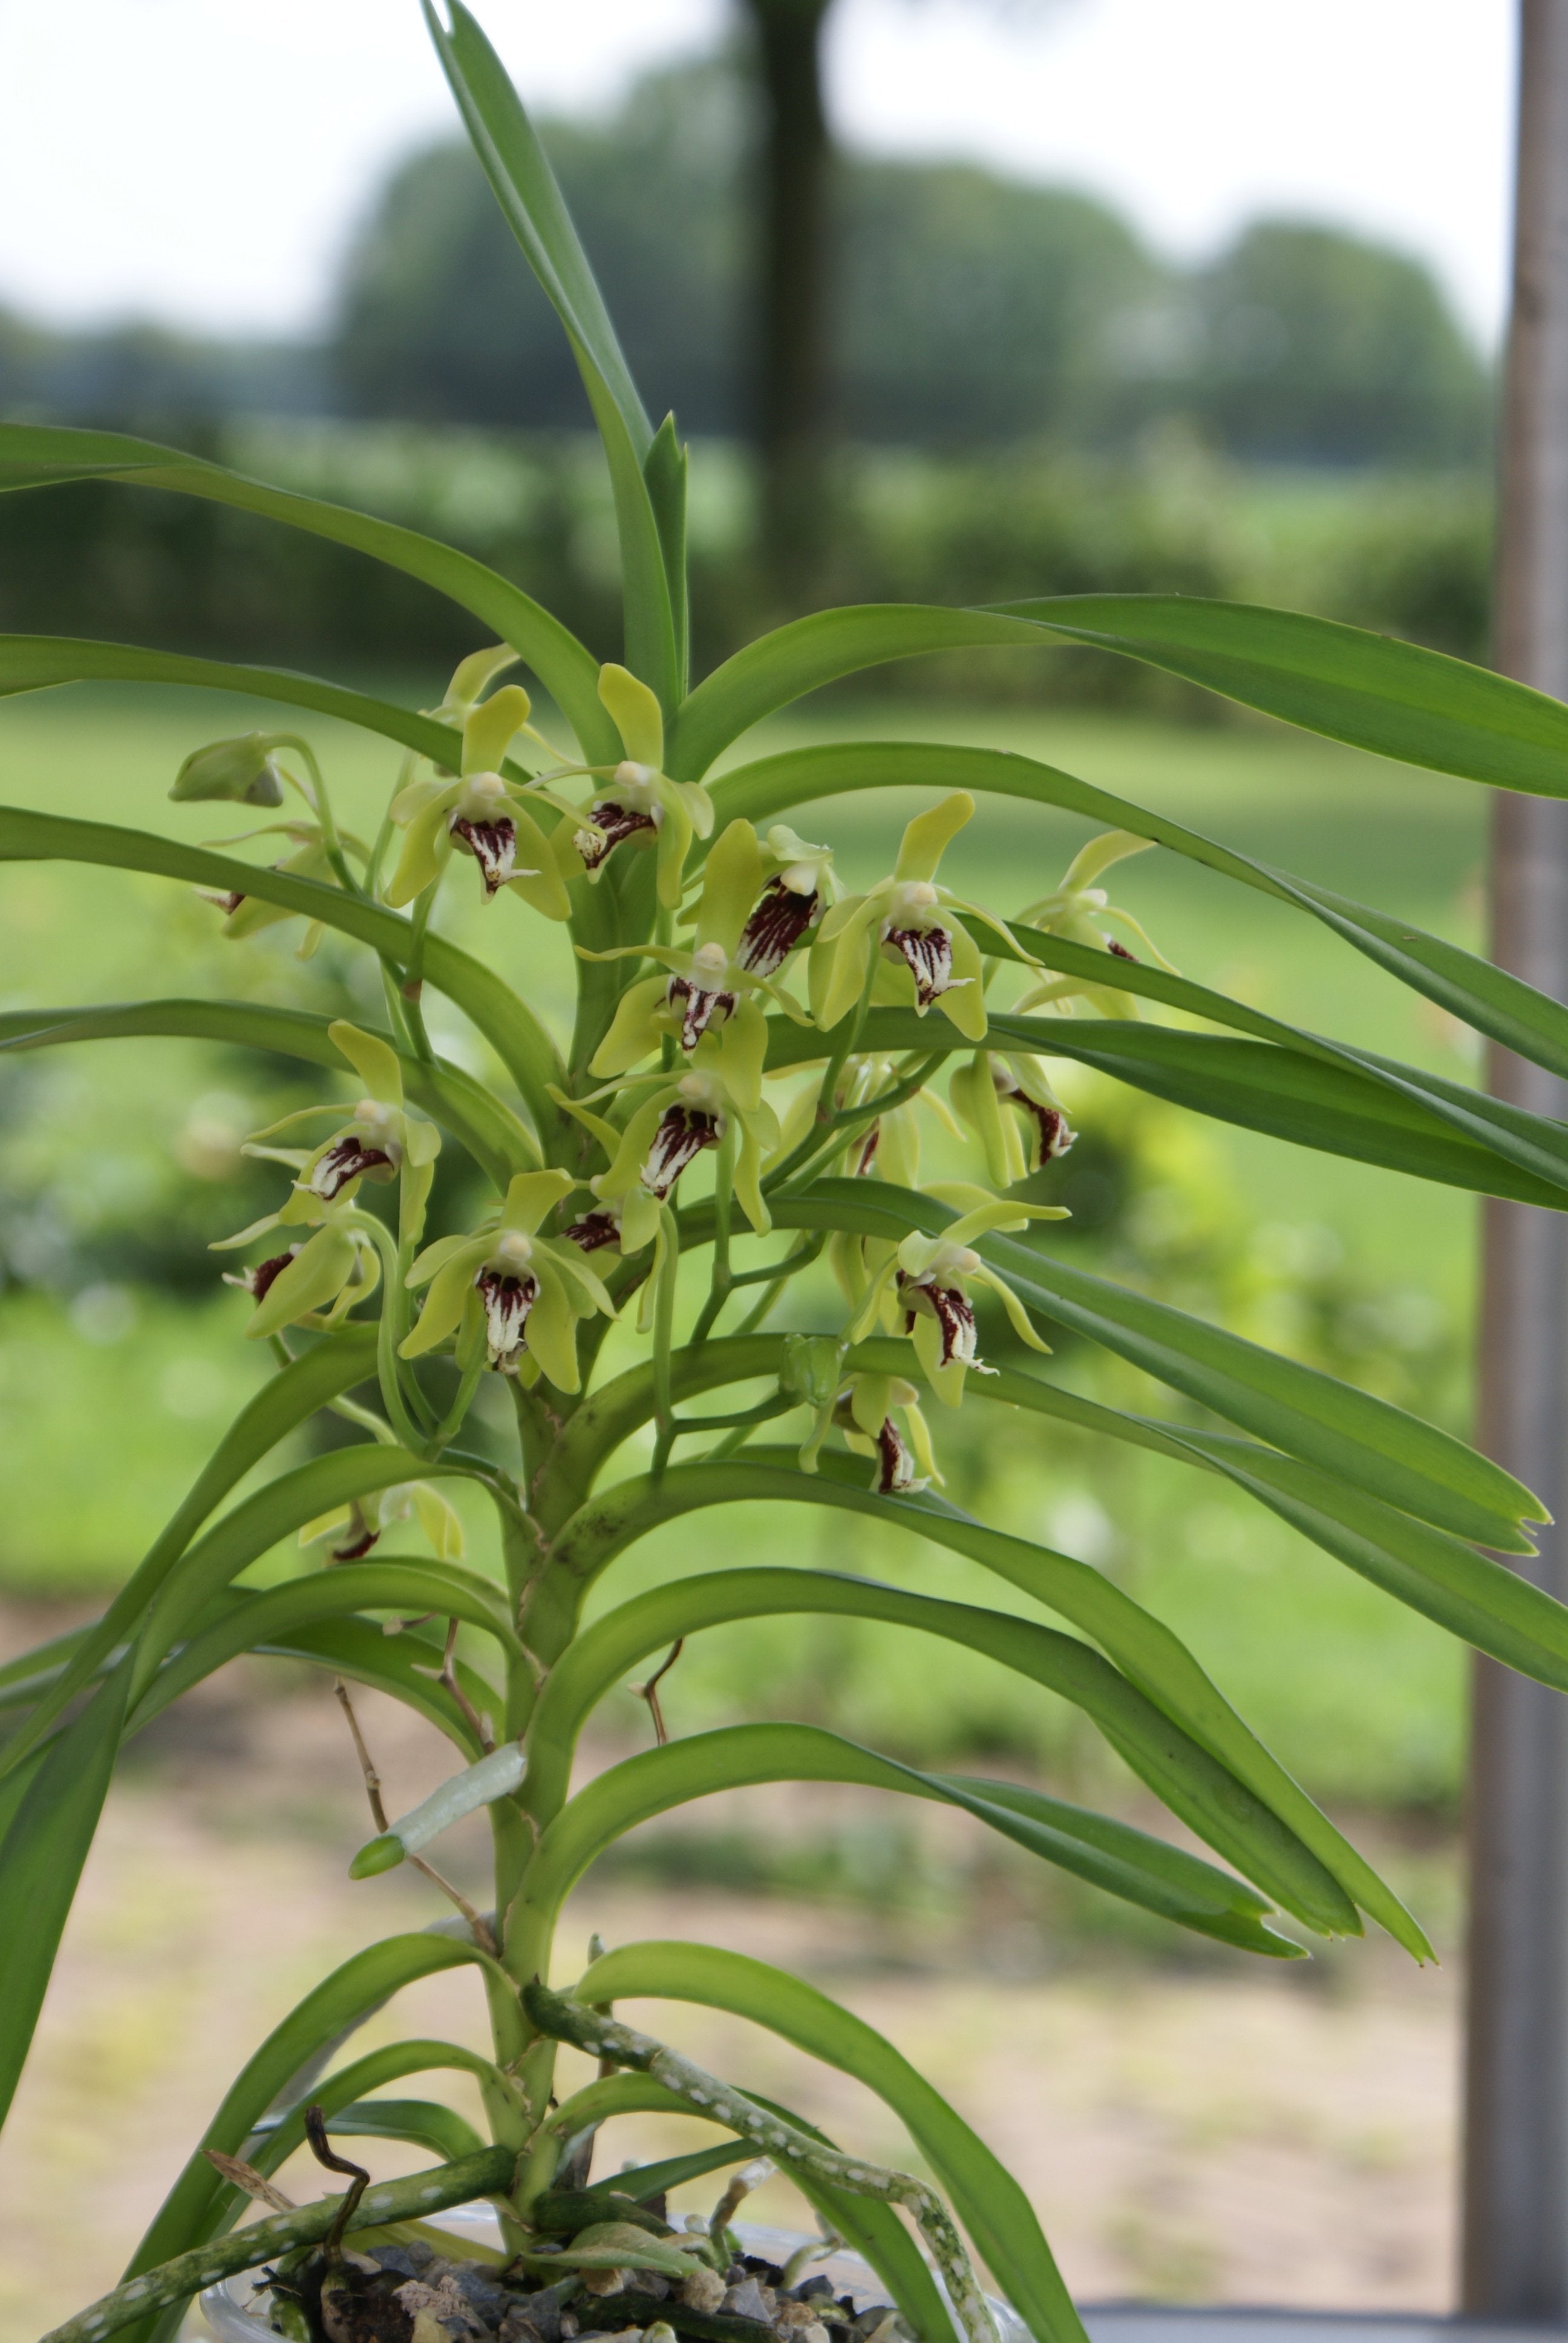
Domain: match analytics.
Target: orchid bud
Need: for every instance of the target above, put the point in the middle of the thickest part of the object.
(813, 1367)
(243, 771)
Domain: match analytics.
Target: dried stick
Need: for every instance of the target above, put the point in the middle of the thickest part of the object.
(649, 1692)
(480, 1727)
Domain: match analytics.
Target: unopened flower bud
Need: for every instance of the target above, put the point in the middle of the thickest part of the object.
(243, 771)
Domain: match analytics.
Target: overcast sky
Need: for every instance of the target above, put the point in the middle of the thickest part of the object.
(203, 162)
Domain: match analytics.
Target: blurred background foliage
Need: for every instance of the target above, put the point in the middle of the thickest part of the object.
(1018, 395)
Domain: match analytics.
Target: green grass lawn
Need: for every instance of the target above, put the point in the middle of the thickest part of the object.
(110, 1395)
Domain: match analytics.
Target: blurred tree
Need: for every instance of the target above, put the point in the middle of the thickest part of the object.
(966, 310)
(790, 344)
(441, 319)
(1315, 345)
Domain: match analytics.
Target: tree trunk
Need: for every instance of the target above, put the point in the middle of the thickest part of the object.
(789, 344)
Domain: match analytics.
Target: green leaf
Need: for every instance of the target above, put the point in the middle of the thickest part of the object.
(41, 1858)
(1125, 1863)
(1307, 1099)
(38, 662)
(273, 1621)
(1336, 1110)
(665, 470)
(24, 1679)
(1394, 699)
(192, 2210)
(984, 2195)
(36, 456)
(1155, 1661)
(801, 657)
(519, 1040)
(423, 2123)
(524, 187)
(403, 1666)
(481, 1121)
(1206, 1795)
(646, 2180)
(1488, 999)
(1376, 1446)
(1391, 697)
(329, 1367)
(279, 2134)
(1495, 1610)
(260, 1521)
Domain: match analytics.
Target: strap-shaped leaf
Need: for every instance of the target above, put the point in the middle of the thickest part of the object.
(1392, 698)
(279, 2134)
(1155, 1661)
(1307, 1099)
(1488, 999)
(482, 1122)
(277, 1511)
(329, 1368)
(194, 2207)
(524, 187)
(1496, 1610)
(1127, 1864)
(37, 456)
(278, 1618)
(423, 2123)
(41, 1858)
(402, 1665)
(1116, 1859)
(986, 2197)
(38, 662)
(515, 1035)
(1374, 1445)
(799, 657)
(646, 2180)
(1395, 699)
(23, 1679)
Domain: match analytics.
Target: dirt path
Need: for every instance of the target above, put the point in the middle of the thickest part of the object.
(1224, 2133)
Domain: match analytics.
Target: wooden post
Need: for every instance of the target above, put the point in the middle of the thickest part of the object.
(1515, 2230)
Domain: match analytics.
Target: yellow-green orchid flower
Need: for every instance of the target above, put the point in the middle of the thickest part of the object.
(720, 1091)
(708, 981)
(799, 887)
(1015, 1144)
(313, 1283)
(480, 812)
(906, 920)
(358, 1525)
(247, 915)
(638, 801)
(1077, 910)
(525, 1292)
(381, 1141)
(926, 1286)
(862, 1408)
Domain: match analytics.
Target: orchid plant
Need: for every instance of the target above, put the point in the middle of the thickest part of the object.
(736, 1101)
